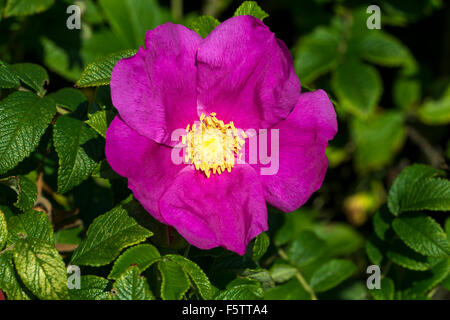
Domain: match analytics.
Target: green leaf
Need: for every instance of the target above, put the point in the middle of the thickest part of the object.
(386, 291)
(436, 112)
(281, 272)
(78, 151)
(143, 256)
(402, 255)
(358, 87)
(251, 8)
(175, 282)
(382, 221)
(9, 282)
(32, 75)
(68, 236)
(242, 292)
(107, 236)
(317, 54)
(41, 269)
(3, 230)
(100, 121)
(132, 286)
(291, 290)
(331, 274)
(26, 192)
(33, 225)
(340, 238)
(8, 79)
(68, 98)
(262, 242)
(24, 118)
(429, 279)
(91, 288)
(305, 249)
(383, 49)
(196, 274)
(377, 139)
(406, 92)
(26, 7)
(422, 234)
(417, 188)
(98, 73)
(204, 25)
(375, 249)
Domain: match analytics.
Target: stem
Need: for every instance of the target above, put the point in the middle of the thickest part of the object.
(433, 155)
(299, 276)
(186, 252)
(177, 9)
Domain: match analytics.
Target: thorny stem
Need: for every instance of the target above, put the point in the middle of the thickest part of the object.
(299, 276)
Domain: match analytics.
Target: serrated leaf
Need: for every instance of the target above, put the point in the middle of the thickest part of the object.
(383, 49)
(91, 288)
(377, 139)
(24, 117)
(8, 79)
(3, 230)
(291, 290)
(26, 7)
(417, 188)
(143, 256)
(331, 274)
(98, 73)
(9, 282)
(402, 255)
(78, 151)
(251, 8)
(196, 274)
(41, 269)
(26, 192)
(358, 87)
(175, 281)
(317, 54)
(386, 291)
(242, 292)
(204, 25)
(32, 225)
(422, 234)
(100, 121)
(68, 98)
(33, 75)
(262, 242)
(282, 272)
(107, 236)
(305, 249)
(132, 286)
(430, 279)
(382, 221)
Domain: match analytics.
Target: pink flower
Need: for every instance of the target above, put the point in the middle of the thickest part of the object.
(240, 74)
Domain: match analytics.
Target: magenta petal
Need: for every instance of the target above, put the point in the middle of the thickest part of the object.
(146, 164)
(246, 75)
(155, 90)
(227, 210)
(303, 137)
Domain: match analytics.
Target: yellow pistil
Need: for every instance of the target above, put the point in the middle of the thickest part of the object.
(212, 145)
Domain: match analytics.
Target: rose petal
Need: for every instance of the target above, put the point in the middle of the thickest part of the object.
(227, 210)
(303, 137)
(246, 75)
(146, 164)
(155, 90)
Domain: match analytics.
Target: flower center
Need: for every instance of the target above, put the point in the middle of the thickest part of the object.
(212, 145)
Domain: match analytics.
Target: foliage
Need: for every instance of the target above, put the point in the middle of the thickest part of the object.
(61, 204)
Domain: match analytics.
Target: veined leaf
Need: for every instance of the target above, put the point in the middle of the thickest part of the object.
(417, 188)
(262, 242)
(8, 79)
(3, 230)
(32, 75)
(26, 192)
(175, 282)
(382, 221)
(68, 98)
(77, 149)
(98, 73)
(26, 7)
(196, 274)
(282, 272)
(204, 25)
(100, 121)
(91, 288)
(431, 278)
(242, 292)
(251, 8)
(143, 256)
(107, 236)
(9, 282)
(422, 234)
(41, 269)
(331, 274)
(132, 286)
(402, 255)
(306, 248)
(24, 118)
(32, 225)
